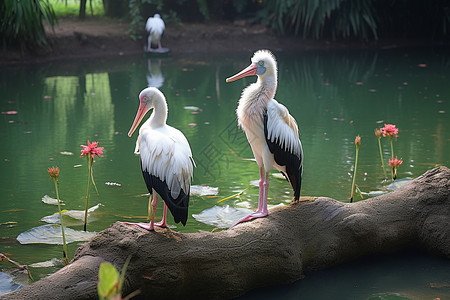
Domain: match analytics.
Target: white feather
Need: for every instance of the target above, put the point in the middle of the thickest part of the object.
(282, 128)
(164, 150)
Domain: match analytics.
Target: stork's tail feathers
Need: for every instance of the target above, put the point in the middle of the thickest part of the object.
(178, 207)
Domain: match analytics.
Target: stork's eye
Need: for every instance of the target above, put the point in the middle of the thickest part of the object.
(145, 99)
(261, 63)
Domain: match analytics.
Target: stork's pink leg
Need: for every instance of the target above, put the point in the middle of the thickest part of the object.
(262, 202)
(148, 226)
(163, 222)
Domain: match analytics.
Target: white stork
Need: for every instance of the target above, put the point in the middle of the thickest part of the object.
(166, 159)
(155, 27)
(271, 131)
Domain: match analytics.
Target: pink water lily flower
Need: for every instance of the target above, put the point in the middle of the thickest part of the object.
(394, 162)
(389, 130)
(91, 149)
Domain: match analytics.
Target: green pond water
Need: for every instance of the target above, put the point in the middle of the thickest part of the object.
(49, 110)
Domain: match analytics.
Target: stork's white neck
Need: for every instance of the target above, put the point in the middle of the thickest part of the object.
(159, 114)
(254, 99)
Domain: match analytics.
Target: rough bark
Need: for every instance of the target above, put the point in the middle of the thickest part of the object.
(276, 249)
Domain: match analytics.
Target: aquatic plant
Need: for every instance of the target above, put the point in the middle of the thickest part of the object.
(110, 282)
(378, 134)
(357, 145)
(394, 163)
(54, 172)
(90, 151)
(389, 130)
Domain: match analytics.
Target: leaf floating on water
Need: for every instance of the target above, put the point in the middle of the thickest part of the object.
(51, 234)
(74, 214)
(54, 262)
(194, 108)
(279, 176)
(222, 217)
(113, 183)
(66, 153)
(7, 285)
(203, 190)
(49, 200)
(398, 183)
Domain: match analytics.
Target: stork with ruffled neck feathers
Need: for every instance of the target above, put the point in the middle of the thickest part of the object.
(166, 159)
(271, 131)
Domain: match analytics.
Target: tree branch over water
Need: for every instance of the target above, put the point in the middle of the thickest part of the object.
(276, 249)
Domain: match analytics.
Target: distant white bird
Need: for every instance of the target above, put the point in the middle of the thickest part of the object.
(155, 27)
(166, 159)
(271, 131)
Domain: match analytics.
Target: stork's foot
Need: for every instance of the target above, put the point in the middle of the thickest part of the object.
(252, 216)
(147, 226)
(161, 224)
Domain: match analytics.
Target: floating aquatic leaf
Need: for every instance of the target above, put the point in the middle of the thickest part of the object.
(194, 108)
(51, 234)
(66, 153)
(395, 185)
(49, 200)
(278, 176)
(398, 183)
(113, 183)
(222, 217)
(7, 285)
(203, 190)
(54, 262)
(74, 214)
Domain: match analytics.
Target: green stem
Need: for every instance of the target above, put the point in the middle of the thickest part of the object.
(393, 171)
(392, 149)
(87, 192)
(381, 157)
(65, 258)
(354, 176)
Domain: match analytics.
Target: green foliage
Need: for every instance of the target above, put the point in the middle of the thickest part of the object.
(22, 22)
(109, 281)
(318, 18)
(64, 8)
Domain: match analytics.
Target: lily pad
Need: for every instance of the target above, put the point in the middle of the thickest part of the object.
(54, 262)
(204, 190)
(51, 234)
(52, 201)
(222, 217)
(395, 185)
(7, 285)
(74, 214)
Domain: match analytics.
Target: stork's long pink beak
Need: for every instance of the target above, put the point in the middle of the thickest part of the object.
(142, 110)
(250, 70)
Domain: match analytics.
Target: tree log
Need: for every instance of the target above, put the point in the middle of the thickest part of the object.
(272, 250)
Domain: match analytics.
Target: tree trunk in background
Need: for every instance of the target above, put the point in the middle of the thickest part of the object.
(276, 249)
(82, 13)
(116, 8)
